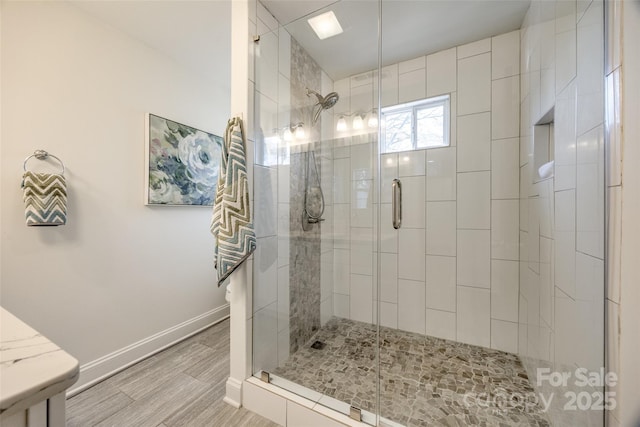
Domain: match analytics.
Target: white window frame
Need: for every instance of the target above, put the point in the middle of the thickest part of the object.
(413, 107)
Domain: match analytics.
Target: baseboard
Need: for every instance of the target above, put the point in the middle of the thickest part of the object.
(233, 396)
(106, 366)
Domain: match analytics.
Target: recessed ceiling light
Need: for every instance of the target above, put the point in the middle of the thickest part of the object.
(325, 25)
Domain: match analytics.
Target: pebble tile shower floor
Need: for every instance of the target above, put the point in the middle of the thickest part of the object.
(424, 380)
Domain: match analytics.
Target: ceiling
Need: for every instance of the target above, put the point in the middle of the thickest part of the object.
(410, 28)
(197, 33)
(287, 11)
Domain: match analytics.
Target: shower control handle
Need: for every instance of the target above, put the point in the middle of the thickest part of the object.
(396, 208)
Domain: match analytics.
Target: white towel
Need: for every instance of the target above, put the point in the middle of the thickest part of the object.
(546, 170)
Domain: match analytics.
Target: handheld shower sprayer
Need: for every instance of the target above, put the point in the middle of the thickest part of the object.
(324, 103)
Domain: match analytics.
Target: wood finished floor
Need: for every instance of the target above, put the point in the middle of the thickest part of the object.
(181, 386)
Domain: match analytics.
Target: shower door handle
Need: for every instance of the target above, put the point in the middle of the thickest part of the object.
(396, 207)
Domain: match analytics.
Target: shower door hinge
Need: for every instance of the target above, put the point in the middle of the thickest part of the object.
(264, 376)
(355, 413)
(256, 39)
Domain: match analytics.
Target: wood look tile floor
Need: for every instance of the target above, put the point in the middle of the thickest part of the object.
(181, 386)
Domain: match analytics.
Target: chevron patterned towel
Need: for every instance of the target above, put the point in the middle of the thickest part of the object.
(45, 198)
(231, 223)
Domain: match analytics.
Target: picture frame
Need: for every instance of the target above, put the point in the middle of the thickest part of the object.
(182, 163)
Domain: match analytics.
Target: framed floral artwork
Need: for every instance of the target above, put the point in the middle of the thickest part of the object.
(182, 164)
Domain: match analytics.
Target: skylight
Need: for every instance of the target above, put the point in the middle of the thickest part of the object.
(325, 25)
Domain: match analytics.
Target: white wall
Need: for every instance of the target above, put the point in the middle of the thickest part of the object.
(451, 271)
(118, 272)
(562, 218)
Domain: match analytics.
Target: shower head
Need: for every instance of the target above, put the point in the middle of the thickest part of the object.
(324, 102)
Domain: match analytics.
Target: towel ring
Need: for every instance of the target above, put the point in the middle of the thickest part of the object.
(42, 155)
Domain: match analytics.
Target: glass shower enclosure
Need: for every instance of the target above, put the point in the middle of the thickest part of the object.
(413, 265)
(316, 175)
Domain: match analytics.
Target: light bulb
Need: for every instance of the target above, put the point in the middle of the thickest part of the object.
(357, 122)
(341, 126)
(300, 134)
(373, 120)
(288, 136)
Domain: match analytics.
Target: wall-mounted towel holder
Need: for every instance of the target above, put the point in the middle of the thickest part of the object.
(42, 155)
(44, 194)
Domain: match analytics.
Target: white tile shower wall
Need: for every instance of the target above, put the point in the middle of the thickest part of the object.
(389, 92)
(474, 48)
(474, 200)
(473, 258)
(473, 316)
(265, 344)
(441, 324)
(441, 72)
(560, 324)
(474, 142)
(441, 228)
(411, 308)
(441, 282)
(413, 206)
(441, 174)
(474, 84)
(451, 271)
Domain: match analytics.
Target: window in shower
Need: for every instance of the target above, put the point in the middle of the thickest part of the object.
(416, 125)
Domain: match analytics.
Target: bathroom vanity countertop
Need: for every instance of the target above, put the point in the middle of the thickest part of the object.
(32, 368)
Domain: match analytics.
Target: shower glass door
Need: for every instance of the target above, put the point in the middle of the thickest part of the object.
(315, 188)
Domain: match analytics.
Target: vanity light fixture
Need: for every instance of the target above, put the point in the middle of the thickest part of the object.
(341, 126)
(373, 119)
(291, 132)
(358, 123)
(287, 136)
(325, 25)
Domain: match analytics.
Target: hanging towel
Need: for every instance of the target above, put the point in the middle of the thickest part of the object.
(231, 224)
(45, 198)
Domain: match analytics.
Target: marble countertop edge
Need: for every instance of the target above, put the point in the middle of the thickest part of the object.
(32, 368)
(22, 402)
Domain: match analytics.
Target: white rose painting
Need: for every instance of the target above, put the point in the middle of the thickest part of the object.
(183, 164)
